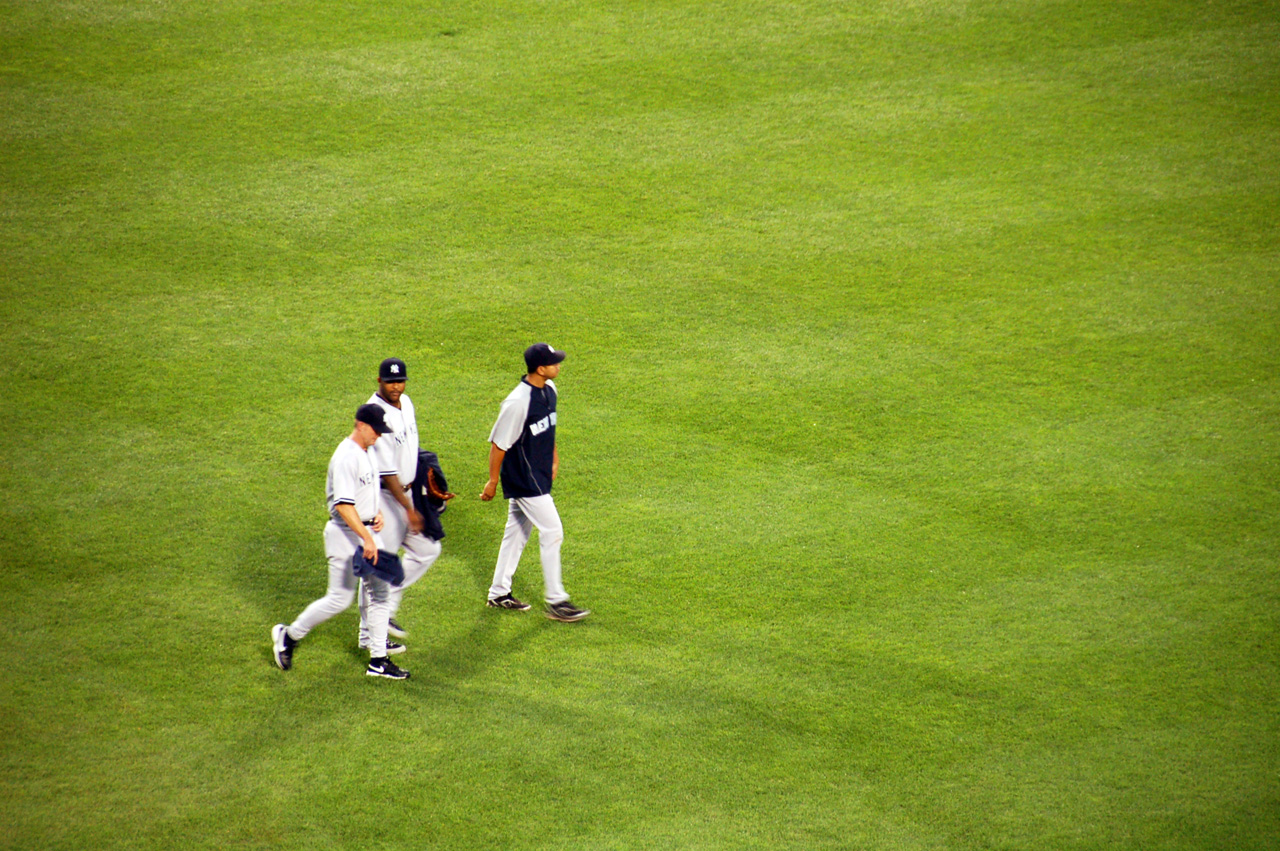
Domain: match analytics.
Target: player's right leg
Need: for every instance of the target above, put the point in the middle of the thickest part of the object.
(514, 537)
(339, 546)
(541, 511)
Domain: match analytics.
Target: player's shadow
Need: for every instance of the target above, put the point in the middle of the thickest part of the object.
(284, 569)
(470, 549)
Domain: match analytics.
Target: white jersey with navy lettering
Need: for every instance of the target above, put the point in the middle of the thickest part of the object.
(397, 452)
(352, 480)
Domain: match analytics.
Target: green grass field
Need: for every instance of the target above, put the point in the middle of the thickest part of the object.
(920, 433)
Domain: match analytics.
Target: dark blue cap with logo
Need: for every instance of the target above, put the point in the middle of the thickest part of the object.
(371, 415)
(392, 370)
(541, 354)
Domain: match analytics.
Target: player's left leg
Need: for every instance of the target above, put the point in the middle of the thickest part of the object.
(395, 526)
(379, 611)
(420, 552)
(541, 511)
(379, 592)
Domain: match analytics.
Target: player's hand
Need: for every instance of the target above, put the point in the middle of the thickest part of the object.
(490, 488)
(377, 522)
(371, 551)
(415, 520)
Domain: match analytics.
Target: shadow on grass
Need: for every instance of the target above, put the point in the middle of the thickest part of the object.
(287, 571)
(468, 655)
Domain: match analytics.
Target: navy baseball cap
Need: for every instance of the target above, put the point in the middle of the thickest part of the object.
(392, 369)
(371, 415)
(541, 354)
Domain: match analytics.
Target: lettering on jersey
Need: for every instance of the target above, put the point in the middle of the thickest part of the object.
(543, 424)
(366, 478)
(400, 438)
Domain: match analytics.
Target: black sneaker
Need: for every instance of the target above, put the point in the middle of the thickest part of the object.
(566, 612)
(393, 647)
(395, 630)
(506, 601)
(282, 645)
(384, 667)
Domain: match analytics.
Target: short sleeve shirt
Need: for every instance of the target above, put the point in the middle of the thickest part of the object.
(352, 481)
(396, 453)
(526, 431)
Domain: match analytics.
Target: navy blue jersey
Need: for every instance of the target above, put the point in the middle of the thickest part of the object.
(526, 431)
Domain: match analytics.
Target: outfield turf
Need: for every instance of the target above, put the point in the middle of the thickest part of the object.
(920, 432)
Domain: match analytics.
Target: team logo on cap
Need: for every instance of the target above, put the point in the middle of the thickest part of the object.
(395, 368)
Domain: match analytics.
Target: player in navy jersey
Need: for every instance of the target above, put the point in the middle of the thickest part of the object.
(522, 454)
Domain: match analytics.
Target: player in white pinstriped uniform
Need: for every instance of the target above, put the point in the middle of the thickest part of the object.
(351, 491)
(396, 456)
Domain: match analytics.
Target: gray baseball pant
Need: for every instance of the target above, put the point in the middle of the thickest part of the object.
(340, 544)
(523, 516)
(420, 552)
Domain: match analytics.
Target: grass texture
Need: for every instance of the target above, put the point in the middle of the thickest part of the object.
(919, 435)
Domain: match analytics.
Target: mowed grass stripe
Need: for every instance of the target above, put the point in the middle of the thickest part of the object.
(918, 429)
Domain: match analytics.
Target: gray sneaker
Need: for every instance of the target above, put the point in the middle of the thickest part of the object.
(566, 612)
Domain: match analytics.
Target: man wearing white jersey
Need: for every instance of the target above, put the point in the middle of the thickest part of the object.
(396, 457)
(522, 453)
(351, 492)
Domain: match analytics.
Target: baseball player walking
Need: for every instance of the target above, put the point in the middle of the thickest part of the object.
(396, 457)
(354, 522)
(522, 453)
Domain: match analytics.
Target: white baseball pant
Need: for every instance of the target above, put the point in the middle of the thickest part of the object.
(340, 544)
(525, 514)
(420, 552)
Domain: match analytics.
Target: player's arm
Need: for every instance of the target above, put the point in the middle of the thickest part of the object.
(555, 462)
(391, 484)
(506, 431)
(495, 470)
(351, 517)
(384, 457)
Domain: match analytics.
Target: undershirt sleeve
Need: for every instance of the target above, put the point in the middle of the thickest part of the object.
(510, 422)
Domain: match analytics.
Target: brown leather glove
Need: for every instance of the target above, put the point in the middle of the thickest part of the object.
(433, 490)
